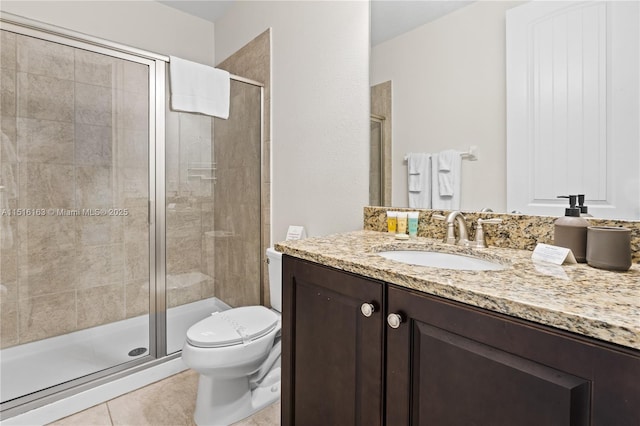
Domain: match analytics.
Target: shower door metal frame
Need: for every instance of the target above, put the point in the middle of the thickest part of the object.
(156, 162)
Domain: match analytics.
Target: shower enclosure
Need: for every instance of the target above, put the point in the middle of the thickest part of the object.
(121, 222)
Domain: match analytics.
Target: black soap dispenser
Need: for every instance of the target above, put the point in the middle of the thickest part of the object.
(584, 210)
(570, 231)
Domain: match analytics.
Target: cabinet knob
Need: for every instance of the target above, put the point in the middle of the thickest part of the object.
(394, 320)
(367, 309)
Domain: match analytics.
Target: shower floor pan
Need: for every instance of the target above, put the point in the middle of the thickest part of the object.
(31, 367)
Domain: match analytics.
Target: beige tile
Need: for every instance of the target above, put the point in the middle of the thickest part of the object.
(137, 298)
(9, 139)
(38, 233)
(94, 187)
(133, 147)
(269, 416)
(133, 110)
(93, 105)
(44, 186)
(133, 189)
(136, 224)
(93, 145)
(136, 260)
(100, 305)
(184, 254)
(99, 230)
(8, 316)
(8, 81)
(186, 287)
(46, 98)
(46, 316)
(99, 265)
(95, 68)
(184, 222)
(36, 56)
(7, 50)
(45, 141)
(136, 78)
(168, 402)
(46, 272)
(8, 254)
(94, 416)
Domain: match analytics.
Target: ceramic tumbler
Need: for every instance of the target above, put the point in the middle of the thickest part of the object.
(609, 247)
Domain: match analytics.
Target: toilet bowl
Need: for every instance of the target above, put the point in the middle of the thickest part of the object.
(237, 354)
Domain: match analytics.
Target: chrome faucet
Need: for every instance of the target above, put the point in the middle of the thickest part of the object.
(453, 218)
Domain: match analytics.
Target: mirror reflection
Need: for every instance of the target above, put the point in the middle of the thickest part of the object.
(451, 85)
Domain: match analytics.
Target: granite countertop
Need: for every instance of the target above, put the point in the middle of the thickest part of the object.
(584, 300)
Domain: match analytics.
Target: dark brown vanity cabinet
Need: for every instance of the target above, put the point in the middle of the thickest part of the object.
(332, 354)
(424, 360)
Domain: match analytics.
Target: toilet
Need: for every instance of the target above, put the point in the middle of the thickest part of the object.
(237, 354)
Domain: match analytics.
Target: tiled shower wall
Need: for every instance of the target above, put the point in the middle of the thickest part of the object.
(254, 61)
(74, 136)
(189, 206)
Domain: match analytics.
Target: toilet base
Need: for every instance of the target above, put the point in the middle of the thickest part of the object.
(222, 402)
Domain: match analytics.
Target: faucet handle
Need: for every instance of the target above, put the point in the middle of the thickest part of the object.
(489, 221)
(438, 217)
(481, 240)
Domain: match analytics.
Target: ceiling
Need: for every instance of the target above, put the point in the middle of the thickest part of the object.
(389, 18)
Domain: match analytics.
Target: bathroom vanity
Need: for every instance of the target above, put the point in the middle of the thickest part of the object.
(367, 340)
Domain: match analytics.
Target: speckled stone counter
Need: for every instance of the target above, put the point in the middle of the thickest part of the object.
(592, 302)
(516, 231)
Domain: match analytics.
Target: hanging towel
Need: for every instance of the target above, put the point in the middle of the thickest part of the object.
(444, 160)
(446, 176)
(419, 180)
(446, 184)
(199, 88)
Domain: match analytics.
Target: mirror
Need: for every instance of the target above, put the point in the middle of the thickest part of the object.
(448, 83)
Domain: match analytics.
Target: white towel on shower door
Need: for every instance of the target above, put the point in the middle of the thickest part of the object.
(419, 180)
(199, 88)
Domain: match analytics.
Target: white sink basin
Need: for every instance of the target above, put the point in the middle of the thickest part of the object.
(436, 259)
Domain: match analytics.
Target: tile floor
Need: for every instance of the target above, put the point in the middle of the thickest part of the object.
(169, 402)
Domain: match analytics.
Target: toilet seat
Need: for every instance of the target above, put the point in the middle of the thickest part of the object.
(232, 327)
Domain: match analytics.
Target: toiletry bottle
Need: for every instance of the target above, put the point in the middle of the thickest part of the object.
(584, 210)
(392, 220)
(402, 222)
(570, 231)
(413, 223)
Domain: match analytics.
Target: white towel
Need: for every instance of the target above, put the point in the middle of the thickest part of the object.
(419, 180)
(416, 164)
(444, 160)
(446, 176)
(199, 88)
(446, 184)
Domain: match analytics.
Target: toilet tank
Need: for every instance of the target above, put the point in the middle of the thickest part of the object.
(274, 259)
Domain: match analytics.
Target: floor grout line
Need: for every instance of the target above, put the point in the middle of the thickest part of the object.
(109, 412)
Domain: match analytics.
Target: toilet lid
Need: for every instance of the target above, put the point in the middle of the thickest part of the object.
(232, 327)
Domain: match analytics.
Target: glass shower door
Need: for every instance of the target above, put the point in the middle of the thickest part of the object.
(75, 267)
(213, 207)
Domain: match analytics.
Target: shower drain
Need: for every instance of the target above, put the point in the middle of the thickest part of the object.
(137, 351)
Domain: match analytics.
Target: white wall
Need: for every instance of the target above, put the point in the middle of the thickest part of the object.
(448, 85)
(145, 25)
(320, 107)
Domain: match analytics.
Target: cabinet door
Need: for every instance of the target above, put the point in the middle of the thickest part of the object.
(332, 353)
(450, 364)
